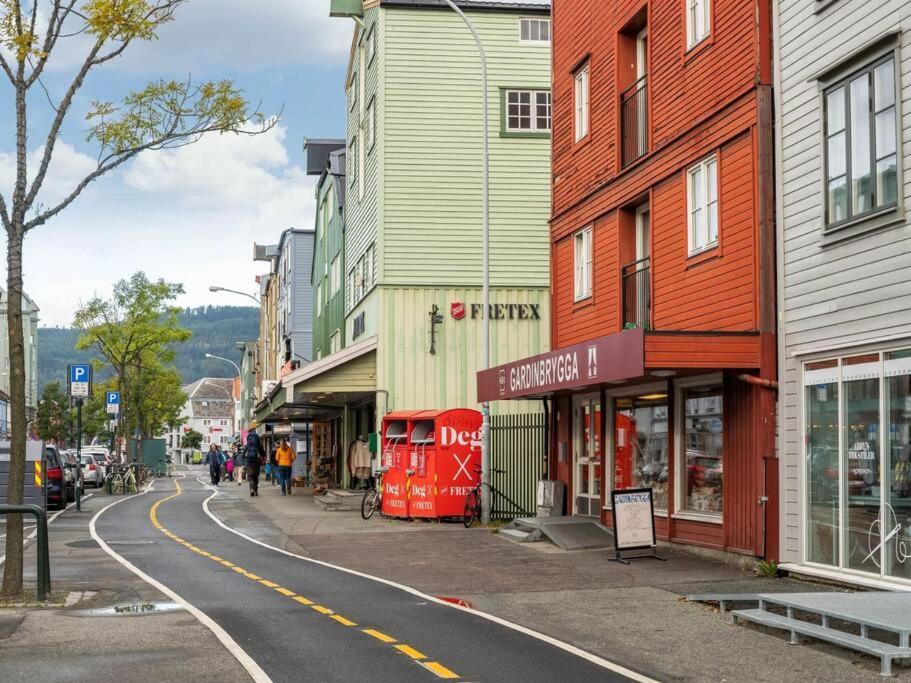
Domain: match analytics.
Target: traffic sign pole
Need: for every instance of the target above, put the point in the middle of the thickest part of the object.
(79, 387)
(78, 454)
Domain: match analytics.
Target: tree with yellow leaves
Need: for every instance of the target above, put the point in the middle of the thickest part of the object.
(164, 114)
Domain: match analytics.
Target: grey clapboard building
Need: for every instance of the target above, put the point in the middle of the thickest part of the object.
(843, 94)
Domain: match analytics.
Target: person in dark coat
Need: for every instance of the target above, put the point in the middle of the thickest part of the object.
(254, 455)
(215, 461)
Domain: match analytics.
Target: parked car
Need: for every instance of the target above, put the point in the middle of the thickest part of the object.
(57, 486)
(93, 468)
(72, 472)
(102, 459)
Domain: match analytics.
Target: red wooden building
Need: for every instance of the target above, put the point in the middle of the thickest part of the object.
(663, 273)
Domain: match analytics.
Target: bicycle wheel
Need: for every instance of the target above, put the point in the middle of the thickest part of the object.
(370, 503)
(117, 485)
(472, 508)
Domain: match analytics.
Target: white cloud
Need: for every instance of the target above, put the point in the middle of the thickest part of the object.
(68, 167)
(244, 35)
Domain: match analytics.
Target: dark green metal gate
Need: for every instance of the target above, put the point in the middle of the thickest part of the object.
(517, 445)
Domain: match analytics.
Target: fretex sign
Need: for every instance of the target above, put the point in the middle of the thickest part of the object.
(459, 310)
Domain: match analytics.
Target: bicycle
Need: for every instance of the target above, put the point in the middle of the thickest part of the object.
(473, 501)
(373, 497)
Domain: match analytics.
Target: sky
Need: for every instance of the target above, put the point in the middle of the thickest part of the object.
(189, 215)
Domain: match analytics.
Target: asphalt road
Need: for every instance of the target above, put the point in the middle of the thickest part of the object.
(303, 621)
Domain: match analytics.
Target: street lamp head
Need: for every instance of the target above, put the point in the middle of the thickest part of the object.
(213, 288)
(209, 355)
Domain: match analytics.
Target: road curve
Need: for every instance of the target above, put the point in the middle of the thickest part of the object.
(300, 620)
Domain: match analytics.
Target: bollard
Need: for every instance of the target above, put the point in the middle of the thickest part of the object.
(44, 561)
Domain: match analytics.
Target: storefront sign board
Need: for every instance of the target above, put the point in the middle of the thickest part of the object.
(634, 521)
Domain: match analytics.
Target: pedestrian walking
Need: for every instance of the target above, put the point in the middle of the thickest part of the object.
(214, 461)
(229, 468)
(254, 454)
(285, 456)
(272, 466)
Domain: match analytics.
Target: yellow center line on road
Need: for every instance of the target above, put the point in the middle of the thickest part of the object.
(436, 668)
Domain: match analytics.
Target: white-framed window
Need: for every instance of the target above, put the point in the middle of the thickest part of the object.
(223, 423)
(528, 111)
(335, 275)
(582, 102)
(698, 21)
(335, 342)
(370, 126)
(352, 93)
(582, 263)
(702, 205)
(319, 298)
(349, 290)
(534, 30)
(206, 423)
(861, 143)
(699, 489)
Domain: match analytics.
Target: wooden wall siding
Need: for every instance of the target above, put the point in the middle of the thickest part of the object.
(702, 351)
(417, 380)
(683, 90)
(744, 471)
(363, 216)
(431, 178)
(848, 293)
(721, 293)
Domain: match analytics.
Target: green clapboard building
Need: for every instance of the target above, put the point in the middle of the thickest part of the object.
(398, 261)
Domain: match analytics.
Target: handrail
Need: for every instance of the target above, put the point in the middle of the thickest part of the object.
(44, 562)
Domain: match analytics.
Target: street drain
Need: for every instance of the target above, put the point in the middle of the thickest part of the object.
(136, 609)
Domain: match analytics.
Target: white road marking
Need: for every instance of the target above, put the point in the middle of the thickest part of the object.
(245, 660)
(566, 647)
(49, 520)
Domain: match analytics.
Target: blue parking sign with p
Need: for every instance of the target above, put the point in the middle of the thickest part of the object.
(113, 401)
(80, 384)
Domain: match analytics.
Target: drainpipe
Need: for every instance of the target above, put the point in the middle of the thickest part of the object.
(758, 381)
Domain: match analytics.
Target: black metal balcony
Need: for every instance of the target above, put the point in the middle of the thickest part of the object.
(637, 297)
(634, 121)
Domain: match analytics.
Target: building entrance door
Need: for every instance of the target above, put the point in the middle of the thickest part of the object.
(587, 455)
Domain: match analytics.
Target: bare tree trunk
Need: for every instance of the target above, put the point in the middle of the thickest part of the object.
(12, 570)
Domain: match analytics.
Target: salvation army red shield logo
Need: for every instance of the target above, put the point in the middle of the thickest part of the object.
(457, 309)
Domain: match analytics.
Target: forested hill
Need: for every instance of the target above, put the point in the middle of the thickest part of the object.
(215, 330)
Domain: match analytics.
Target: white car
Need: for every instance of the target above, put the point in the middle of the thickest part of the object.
(102, 458)
(93, 468)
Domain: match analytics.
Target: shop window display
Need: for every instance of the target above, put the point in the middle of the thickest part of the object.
(897, 452)
(640, 446)
(704, 450)
(823, 466)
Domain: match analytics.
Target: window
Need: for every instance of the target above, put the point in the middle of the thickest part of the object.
(698, 21)
(582, 260)
(702, 486)
(857, 462)
(319, 298)
(335, 342)
(702, 202)
(534, 30)
(223, 423)
(336, 275)
(349, 291)
(861, 159)
(641, 445)
(370, 126)
(528, 111)
(352, 92)
(581, 102)
(206, 423)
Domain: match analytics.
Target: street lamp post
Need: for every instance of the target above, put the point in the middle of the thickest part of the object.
(485, 250)
(214, 288)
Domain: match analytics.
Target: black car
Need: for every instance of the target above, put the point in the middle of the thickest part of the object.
(73, 472)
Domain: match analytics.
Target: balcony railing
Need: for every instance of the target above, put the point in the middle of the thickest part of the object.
(637, 298)
(634, 121)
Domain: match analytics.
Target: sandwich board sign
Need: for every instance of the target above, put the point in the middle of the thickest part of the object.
(79, 381)
(634, 523)
(113, 401)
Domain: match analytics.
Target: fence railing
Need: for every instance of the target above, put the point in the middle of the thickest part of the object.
(517, 445)
(634, 121)
(637, 297)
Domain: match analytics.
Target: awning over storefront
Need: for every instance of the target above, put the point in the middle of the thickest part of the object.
(344, 378)
(617, 359)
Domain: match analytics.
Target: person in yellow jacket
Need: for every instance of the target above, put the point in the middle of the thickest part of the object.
(285, 456)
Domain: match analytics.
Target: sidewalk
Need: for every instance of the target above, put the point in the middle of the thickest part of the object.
(633, 615)
(89, 640)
